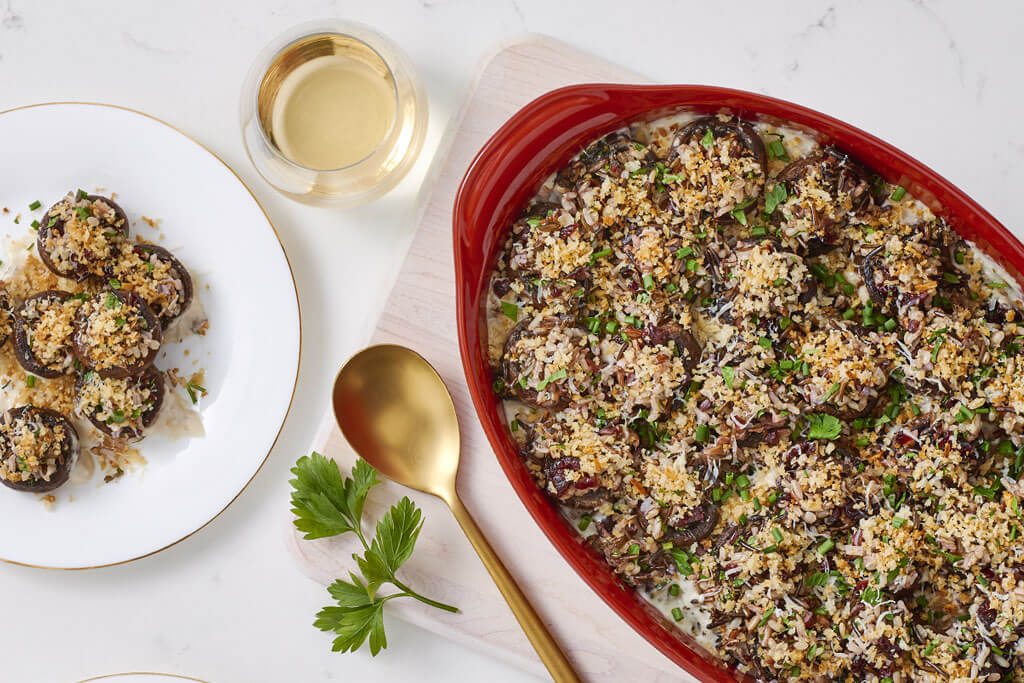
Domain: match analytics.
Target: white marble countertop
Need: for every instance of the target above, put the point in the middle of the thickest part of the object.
(933, 77)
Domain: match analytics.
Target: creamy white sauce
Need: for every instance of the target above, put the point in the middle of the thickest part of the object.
(177, 419)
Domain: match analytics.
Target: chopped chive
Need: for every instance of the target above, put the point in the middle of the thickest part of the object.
(898, 193)
(674, 590)
(826, 546)
(648, 281)
(677, 614)
(703, 433)
(30, 381)
(584, 522)
(34, 205)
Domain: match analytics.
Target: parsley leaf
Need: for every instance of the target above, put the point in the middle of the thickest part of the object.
(824, 426)
(774, 197)
(356, 617)
(326, 503)
(510, 310)
(323, 502)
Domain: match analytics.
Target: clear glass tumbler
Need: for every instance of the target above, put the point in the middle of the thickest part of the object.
(356, 183)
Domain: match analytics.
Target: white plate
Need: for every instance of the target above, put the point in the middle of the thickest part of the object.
(211, 221)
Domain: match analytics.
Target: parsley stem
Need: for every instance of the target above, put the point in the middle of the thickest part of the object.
(413, 594)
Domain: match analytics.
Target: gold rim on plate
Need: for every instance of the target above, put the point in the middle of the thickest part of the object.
(298, 362)
(140, 673)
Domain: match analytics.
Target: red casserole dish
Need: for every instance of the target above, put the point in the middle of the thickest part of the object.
(543, 136)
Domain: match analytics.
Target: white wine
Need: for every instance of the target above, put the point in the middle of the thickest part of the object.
(332, 114)
(332, 111)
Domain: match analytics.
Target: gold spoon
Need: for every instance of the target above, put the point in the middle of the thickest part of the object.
(397, 414)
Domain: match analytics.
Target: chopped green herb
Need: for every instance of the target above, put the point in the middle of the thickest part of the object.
(34, 205)
(898, 193)
(510, 310)
(194, 390)
(708, 140)
(824, 426)
(775, 148)
(560, 374)
(702, 434)
(774, 197)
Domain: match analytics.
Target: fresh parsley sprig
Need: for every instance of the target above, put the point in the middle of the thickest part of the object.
(327, 504)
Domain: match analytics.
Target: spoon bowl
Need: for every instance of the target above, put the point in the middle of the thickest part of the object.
(397, 414)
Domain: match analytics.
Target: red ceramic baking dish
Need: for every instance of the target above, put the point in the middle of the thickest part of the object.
(506, 173)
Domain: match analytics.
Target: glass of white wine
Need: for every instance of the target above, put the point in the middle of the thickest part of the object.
(332, 114)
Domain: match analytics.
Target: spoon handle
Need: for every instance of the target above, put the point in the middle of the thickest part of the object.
(541, 639)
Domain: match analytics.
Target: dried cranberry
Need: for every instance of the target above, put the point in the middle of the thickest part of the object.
(555, 471)
(501, 287)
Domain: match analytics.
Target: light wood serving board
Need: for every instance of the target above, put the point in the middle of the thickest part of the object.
(420, 313)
